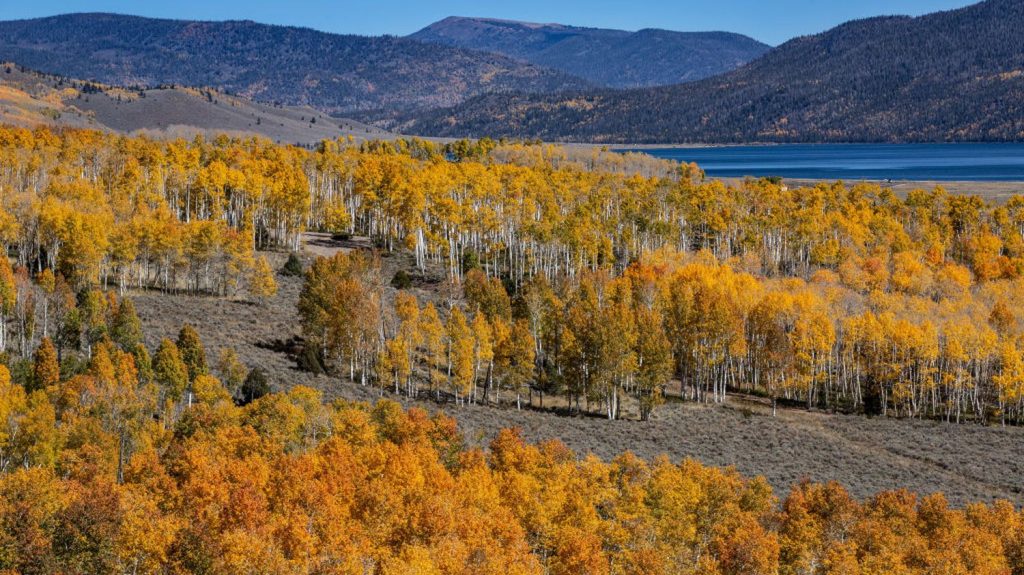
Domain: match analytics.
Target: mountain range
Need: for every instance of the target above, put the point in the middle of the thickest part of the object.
(335, 73)
(948, 76)
(610, 58)
(346, 74)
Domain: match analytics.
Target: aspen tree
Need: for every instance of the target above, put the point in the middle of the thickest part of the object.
(433, 353)
(46, 370)
(8, 298)
(190, 347)
(262, 284)
(461, 345)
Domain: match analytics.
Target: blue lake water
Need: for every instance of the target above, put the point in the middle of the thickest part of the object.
(942, 162)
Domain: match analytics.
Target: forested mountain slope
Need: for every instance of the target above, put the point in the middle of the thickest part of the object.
(956, 75)
(298, 66)
(613, 58)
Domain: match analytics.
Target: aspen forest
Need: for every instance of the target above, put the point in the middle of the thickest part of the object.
(574, 280)
(584, 274)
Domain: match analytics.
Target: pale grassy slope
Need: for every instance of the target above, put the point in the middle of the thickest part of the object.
(31, 99)
(184, 112)
(21, 108)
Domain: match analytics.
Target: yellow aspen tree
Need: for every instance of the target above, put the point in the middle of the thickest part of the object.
(518, 354)
(8, 296)
(170, 372)
(262, 284)
(47, 284)
(231, 370)
(407, 310)
(653, 360)
(46, 370)
(1009, 382)
(13, 405)
(460, 354)
(483, 353)
(396, 367)
(434, 352)
(192, 352)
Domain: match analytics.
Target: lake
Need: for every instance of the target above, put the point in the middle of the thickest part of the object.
(916, 162)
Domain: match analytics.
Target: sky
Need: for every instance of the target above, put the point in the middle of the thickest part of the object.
(770, 21)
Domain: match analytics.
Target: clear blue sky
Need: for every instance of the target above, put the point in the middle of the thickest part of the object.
(771, 21)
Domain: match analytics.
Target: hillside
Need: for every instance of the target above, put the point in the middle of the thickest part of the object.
(30, 99)
(948, 76)
(612, 58)
(27, 101)
(296, 66)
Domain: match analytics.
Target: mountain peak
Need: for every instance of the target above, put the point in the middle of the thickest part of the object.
(613, 58)
(947, 76)
(457, 20)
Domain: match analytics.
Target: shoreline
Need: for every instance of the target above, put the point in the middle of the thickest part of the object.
(697, 145)
(998, 191)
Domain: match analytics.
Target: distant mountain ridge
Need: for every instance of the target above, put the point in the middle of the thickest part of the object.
(948, 76)
(298, 66)
(610, 58)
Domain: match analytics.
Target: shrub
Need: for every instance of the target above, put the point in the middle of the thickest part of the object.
(292, 267)
(402, 280)
(470, 260)
(309, 360)
(255, 386)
